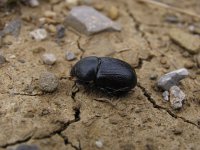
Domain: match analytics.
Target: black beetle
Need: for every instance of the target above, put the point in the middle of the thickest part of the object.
(108, 74)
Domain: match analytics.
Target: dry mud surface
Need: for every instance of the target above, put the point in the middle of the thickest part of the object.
(140, 120)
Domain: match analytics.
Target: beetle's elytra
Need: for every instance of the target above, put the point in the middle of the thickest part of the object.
(108, 74)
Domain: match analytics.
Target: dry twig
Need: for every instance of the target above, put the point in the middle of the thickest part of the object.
(186, 12)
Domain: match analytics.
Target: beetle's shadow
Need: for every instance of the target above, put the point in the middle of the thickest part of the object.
(99, 92)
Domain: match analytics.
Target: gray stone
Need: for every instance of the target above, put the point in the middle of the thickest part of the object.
(2, 60)
(60, 31)
(165, 96)
(48, 82)
(87, 20)
(49, 58)
(70, 56)
(39, 34)
(170, 79)
(176, 97)
(13, 28)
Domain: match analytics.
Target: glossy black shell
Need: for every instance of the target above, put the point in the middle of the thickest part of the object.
(109, 74)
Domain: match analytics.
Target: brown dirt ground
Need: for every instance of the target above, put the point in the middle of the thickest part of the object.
(140, 120)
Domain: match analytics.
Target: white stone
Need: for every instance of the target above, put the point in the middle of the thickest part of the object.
(49, 58)
(176, 97)
(165, 96)
(99, 144)
(39, 34)
(34, 3)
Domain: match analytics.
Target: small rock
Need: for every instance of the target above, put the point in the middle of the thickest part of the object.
(185, 54)
(87, 20)
(171, 18)
(99, 6)
(33, 3)
(52, 28)
(2, 60)
(39, 34)
(99, 144)
(72, 2)
(48, 82)
(60, 31)
(113, 13)
(49, 58)
(49, 14)
(177, 131)
(176, 97)
(197, 60)
(38, 50)
(189, 65)
(190, 42)
(13, 28)
(163, 61)
(70, 56)
(194, 29)
(165, 95)
(153, 76)
(27, 147)
(170, 79)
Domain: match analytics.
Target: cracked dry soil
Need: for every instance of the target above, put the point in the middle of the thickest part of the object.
(140, 120)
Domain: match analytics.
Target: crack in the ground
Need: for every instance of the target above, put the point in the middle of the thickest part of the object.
(16, 142)
(59, 131)
(137, 25)
(151, 100)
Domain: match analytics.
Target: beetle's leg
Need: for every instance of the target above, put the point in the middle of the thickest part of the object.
(75, 89)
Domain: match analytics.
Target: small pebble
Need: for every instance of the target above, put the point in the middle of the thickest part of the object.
(33, 3)
(185, 54)
(27, 147)
(176, 97)
(49, 58)
(153, 76)
(39, 34)
(163, 61)
(52, 28)
(99, 6)
(71, 3)
(38, 50)
(171, 18)
(165, 96)
(113, 12)
(49, 14)
(48, 82)
(2, 60)
(189, 65)
(70, 56)
(173, 78)
(99, 144)
(60, 31)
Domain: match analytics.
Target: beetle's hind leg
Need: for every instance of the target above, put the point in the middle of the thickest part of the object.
(75, 89)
